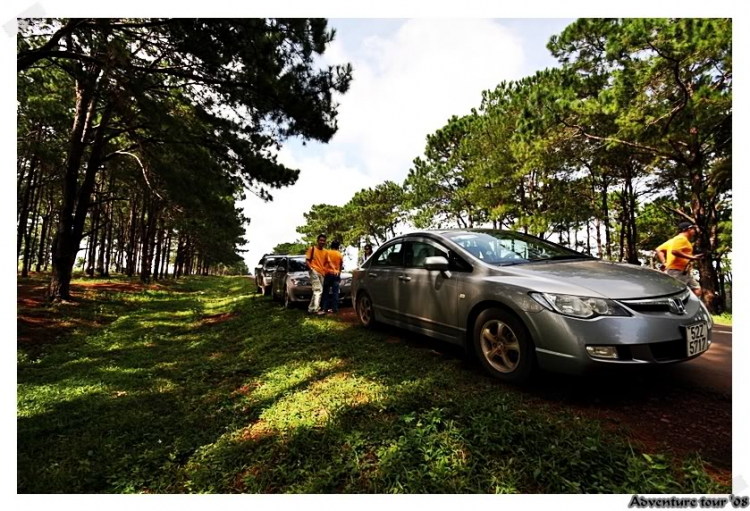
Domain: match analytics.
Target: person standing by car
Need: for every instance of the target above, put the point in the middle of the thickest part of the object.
(677, 254)
(368, 252)
(316, 258)
(335, 264)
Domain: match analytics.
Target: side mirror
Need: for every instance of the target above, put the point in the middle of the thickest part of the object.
(438, 263)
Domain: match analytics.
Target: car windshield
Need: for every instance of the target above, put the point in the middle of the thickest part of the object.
(507, 247)
(297, 264)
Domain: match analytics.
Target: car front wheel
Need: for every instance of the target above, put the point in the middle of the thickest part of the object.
(503, 346)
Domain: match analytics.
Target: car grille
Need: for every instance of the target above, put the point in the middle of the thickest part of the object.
(661, 304)
(658, 351)
(669, 350)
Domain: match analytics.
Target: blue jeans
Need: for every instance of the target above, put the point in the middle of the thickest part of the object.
(331, 283)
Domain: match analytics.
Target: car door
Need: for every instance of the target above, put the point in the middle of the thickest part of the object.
(428, 299)
(379, 279)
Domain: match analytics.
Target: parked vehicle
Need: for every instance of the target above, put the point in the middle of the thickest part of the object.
(291, 282)
(264, 272)
(520, 302)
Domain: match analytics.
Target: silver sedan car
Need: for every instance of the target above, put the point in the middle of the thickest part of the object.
(520, 302)
(291, 282)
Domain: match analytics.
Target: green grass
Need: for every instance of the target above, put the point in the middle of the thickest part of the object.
(725, 318)
(156, 399)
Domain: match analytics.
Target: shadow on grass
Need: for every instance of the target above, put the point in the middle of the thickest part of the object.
(269, 400)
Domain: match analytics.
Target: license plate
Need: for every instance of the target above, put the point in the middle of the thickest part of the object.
(697, 338)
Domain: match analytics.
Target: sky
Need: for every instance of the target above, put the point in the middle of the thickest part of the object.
(410, 76)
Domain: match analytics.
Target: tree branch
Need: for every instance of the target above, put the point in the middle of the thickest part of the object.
(684, 215)
(27, 58)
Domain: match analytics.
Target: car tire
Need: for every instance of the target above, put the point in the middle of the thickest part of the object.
(503, 346)
(365, 311)
(267, 291)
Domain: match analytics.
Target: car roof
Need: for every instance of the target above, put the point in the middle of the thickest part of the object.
(447, 231)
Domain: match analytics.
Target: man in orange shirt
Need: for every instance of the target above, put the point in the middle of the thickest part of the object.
(316, 260)
(332, 280)
(677, 254)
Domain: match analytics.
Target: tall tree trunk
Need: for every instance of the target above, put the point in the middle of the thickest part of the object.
(30, 234)
(705, 241)
(103, 227)
(31, 179)
(722, 294)
(141, 233)
(165, 257)
(110, 240)
(179, 257)
(149, 241)
(66, 239)
(42, 255)
(20, 178)
(93, 240)
(157, 256)
(605, 217)
(50, 238)
(631, 217)
(622, 232)
(131, 237)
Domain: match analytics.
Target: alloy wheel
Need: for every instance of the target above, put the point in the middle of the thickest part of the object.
(500, 346)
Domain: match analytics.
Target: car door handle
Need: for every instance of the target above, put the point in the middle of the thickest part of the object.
(372, 275)
(404, 278)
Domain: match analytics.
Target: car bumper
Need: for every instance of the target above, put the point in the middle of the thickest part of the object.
(300, 294)
(640, 340)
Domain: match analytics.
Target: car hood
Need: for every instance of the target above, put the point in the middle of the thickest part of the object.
(298, 274)
(598, 278)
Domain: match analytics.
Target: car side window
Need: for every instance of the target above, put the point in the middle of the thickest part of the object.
(390, 256)
(457, 263)
(416, 252)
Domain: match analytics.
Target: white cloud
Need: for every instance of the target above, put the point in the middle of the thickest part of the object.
(405, 87)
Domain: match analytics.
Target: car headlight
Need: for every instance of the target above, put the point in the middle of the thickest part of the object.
(301, 282)
(346, 282)
(579, 306)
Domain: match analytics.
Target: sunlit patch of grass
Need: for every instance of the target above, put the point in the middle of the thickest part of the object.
(725, 318)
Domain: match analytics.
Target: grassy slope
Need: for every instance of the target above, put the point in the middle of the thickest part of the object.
(723, 319)
(162, 399)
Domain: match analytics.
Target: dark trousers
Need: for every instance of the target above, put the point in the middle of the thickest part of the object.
(331, 285)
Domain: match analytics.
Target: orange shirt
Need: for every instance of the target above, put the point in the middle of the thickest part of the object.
(317, 259)
(335, 260)
(681, 243)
